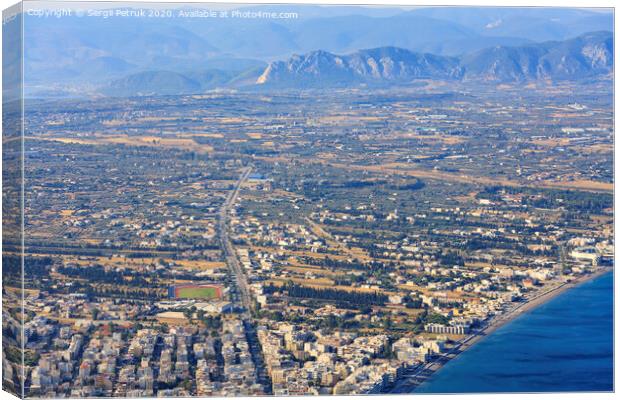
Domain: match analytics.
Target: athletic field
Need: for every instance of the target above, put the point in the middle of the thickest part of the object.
(195, 292)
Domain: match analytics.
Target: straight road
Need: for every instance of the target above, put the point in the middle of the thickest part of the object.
(242, 295)
(229, 251)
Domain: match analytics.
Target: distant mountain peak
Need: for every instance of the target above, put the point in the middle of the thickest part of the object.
(371, 65)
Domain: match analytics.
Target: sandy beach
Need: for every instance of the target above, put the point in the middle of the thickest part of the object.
(418, 375)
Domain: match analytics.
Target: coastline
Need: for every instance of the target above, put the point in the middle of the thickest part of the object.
(415, 377)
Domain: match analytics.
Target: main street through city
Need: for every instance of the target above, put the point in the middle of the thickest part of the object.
(229, 252)
(240, 293)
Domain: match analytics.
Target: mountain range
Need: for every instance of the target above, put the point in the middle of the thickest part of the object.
(582, 57)
(381, 65)
(586, 56)
(80, 53)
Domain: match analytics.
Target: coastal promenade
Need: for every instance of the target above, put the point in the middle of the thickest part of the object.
(416, 376)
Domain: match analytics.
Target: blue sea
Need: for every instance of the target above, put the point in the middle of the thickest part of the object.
(565, 344)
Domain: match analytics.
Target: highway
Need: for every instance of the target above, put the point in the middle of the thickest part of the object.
(229, 251)
(240, 293)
